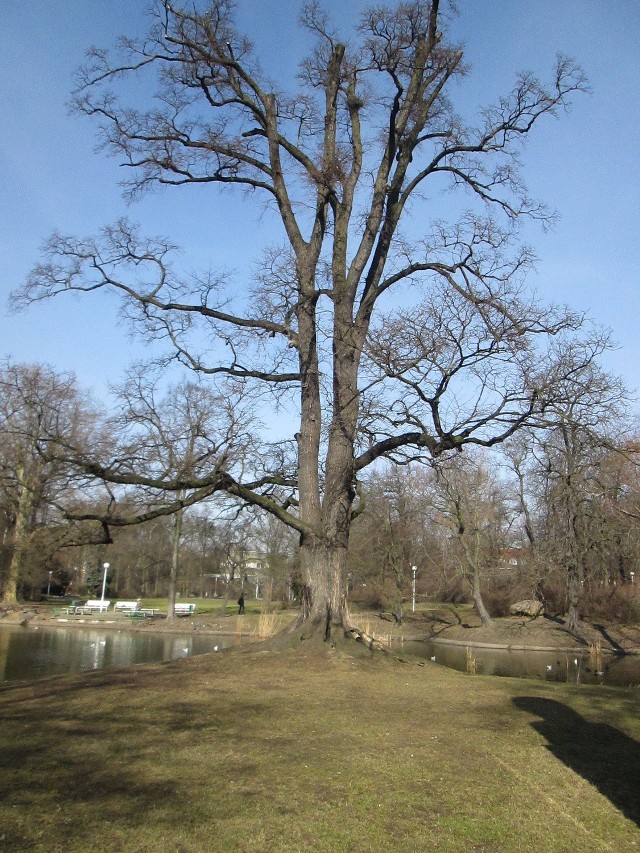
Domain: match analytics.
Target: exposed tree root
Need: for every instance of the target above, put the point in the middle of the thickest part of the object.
(366, 639)
(312, 634)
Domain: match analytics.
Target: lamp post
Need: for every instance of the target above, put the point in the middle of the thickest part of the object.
(104, 579)
(414, 569)
(49, 585)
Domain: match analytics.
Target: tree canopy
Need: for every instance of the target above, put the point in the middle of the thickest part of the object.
(383, 325)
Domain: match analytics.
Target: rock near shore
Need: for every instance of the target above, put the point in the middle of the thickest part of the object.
(528, 607)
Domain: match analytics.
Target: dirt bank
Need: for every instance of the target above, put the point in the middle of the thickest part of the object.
(440, 623)
(453, 624)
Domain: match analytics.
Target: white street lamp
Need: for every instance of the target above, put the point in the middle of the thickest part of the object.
(414, 569)
(104, 579)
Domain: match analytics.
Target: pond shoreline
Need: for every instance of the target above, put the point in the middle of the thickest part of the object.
(512, 647)
(153, 625)
(150, 627)
(33, 617)
(457, 626)
(439, 625)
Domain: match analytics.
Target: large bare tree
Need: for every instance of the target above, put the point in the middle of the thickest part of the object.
(389, 329)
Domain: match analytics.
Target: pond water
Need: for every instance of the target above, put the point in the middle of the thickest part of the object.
(571, 667)
(36, 652)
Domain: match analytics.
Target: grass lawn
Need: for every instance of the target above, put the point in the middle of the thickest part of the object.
(309, 751)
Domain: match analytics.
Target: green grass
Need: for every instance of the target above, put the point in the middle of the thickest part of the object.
(264, 751)
(212, 605)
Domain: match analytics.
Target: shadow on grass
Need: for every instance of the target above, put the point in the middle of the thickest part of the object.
(114, 749)
(604, 756)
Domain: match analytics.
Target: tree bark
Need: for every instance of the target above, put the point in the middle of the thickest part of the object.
(21, 532)
(175, 561)
(483, 613)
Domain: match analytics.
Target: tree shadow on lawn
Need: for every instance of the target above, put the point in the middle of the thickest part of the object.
(604, 756)
(51, 787)
(436, 622)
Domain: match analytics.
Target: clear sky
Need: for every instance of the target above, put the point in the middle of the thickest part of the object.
(584, 164)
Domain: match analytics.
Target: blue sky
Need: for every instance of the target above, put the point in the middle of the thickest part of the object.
(585, 164)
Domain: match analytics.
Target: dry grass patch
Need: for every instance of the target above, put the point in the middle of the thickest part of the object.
(265, 751)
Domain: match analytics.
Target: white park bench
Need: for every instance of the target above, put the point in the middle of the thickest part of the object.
(184, 609)
(98, 604)
(134, 610)
(90, 606)
(126, 606)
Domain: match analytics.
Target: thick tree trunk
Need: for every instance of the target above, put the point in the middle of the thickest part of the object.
(324, 612)
(10, 593)
(326, 509)
(21, 531)
(324, 618)
(175, 562)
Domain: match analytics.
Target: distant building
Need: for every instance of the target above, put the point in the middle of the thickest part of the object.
(513, 558)
(245, 566)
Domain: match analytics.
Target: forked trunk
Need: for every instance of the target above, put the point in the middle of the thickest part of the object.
(324, 616)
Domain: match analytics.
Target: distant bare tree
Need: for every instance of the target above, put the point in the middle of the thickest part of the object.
(393, 532)
(42, 413)
(177, 438)
(472, 506)
(565, 484)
